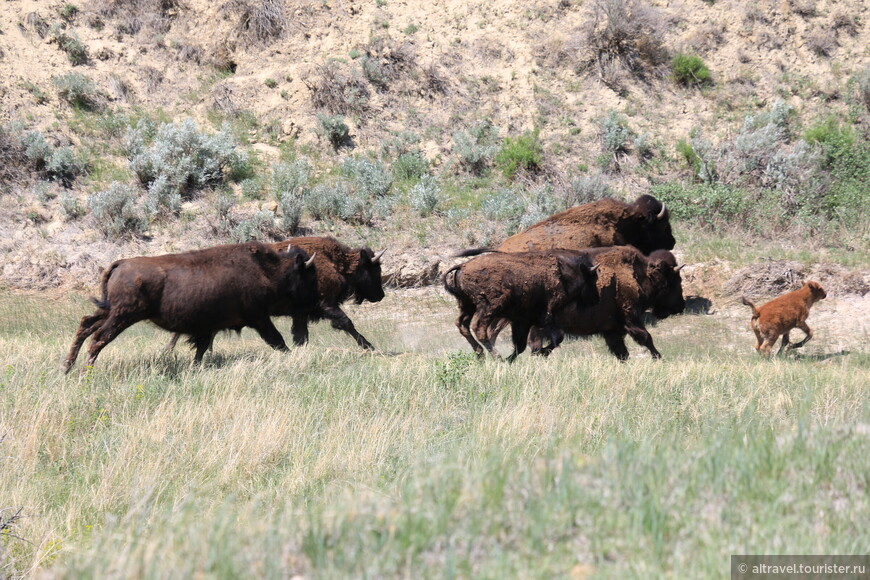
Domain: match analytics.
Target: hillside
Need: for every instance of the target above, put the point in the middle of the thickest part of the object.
(587, 94)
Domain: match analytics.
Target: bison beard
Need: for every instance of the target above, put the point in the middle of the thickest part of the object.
(525, 289)
(199, 293)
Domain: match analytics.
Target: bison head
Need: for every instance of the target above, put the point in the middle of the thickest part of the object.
(667, 285)
(367, 283)
(654, 225)
(579, 278)
(301, 278)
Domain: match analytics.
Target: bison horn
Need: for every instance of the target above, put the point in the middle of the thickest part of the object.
(377, 259)
(680, 267)
(310, 260)
(593, 268)
(661, 214)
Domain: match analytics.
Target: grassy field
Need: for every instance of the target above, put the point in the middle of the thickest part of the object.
(328, 462)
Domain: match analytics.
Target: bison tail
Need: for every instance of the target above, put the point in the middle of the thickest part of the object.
(475, 252)
(751, 305)
(103, 302)
(450, 283)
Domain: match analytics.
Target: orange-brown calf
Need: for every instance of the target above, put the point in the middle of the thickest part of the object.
(779, 316)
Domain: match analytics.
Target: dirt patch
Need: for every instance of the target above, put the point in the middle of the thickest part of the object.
(780, 276)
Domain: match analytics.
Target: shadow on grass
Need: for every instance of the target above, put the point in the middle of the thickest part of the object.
(821, 356)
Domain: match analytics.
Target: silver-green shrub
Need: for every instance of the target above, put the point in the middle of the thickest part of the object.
(426, 195)
(187, 159)
(371, 178)
(115, 210)
(477, 146)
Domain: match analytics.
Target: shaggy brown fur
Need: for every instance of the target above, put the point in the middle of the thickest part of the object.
(199, 294)
(524, 288)
(779, 316)
(643, 224)
(342, 273)
(628, 284)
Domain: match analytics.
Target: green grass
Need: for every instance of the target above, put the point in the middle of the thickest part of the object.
(328, 462)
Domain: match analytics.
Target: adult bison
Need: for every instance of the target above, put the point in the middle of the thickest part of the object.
(628, 284)
(643, 224)
(525, 288)
(199, 293)
(342, 273)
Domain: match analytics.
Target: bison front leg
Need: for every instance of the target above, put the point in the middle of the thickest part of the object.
(267, 332)
(809, 334)
(340, 321)
(87, 327)
(300, 330)
(643, 338)
(520, 338)
(615, 341)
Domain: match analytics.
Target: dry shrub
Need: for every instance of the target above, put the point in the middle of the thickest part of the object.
(387, 62)
(433, 82)
(151, 78)
(845, 21)
(133, 16)
(705, 37)
(259, 21)
(805, 8)
(13, 160)
(222, 100)
(624, 34)
(776, 277)
(187, 52)
(338, 89)
(823, 42)
(36, 23)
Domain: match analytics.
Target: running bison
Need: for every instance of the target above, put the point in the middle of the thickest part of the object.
(643, 224)
(628, 284)
(199, 293)
(781, 315)
(342, 273)
(525, 289)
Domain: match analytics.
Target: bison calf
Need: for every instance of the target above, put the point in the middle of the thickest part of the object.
(779, 316)
(200, 293)
(524, 288)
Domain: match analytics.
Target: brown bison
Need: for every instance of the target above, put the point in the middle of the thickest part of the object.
(643, 224)
(200, 293)
(342, 273)
(525, 289)
(628, 284)
(779, 316)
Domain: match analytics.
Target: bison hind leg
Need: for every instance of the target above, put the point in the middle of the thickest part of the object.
(615, 341)
(520, 337)
(463, 323)
(88, 325)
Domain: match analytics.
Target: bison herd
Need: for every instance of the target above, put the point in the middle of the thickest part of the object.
(594, 269)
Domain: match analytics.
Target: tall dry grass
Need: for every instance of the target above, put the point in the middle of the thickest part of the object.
(330, 462)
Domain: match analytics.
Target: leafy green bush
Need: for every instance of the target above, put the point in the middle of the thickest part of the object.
(115, 211)
(477, 146)
(705, 204)
(523, 153)
(690, 70)
(78, 90)
(334, 129)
